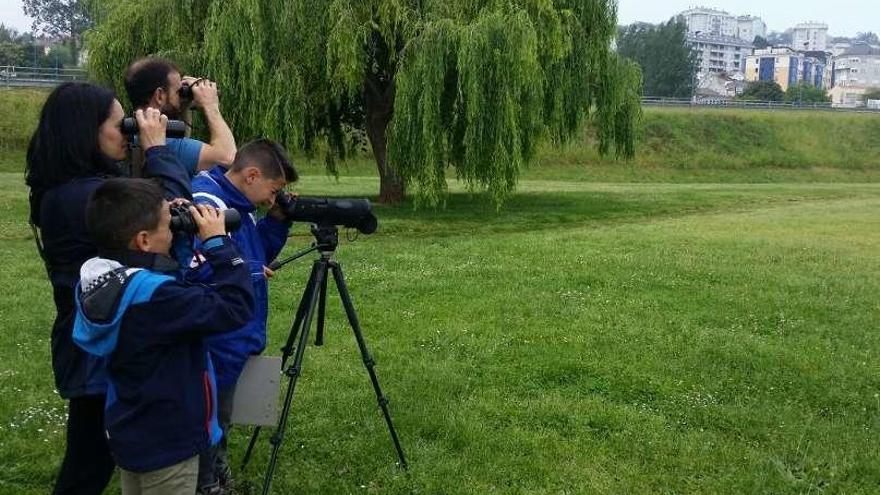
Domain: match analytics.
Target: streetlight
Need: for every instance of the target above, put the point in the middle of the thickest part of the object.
(803, 76)
(695, 70)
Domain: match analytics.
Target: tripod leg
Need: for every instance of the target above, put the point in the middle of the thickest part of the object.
(322, 307)
(287, 350)
(365, 354)
(293, 372)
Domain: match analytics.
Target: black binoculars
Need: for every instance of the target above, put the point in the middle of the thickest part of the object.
(182, 221)
(175, 128)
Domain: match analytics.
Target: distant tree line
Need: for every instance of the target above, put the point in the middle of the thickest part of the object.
(56, 35)
(668, 62)
(60, 19)
(785, 38)
(802, 92)
(24, 49)
(866, 37)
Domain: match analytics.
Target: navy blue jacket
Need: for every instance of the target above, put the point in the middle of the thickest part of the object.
(60, 214)
(161, 396)
(260, 242)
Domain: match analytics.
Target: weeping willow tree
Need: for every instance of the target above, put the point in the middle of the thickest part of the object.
(468, 85)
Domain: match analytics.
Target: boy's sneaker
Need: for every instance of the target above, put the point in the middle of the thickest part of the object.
(212, 490)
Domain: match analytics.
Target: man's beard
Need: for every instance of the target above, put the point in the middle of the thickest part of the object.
(171, 112)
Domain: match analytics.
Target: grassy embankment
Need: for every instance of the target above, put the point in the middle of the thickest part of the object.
(674, 145)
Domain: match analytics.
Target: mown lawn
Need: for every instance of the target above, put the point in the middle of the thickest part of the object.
(587, 338)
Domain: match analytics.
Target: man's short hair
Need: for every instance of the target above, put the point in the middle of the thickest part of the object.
(144, 76)
(120, 208)
(269, 157)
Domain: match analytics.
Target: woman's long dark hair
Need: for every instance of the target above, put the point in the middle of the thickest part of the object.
(65, 145)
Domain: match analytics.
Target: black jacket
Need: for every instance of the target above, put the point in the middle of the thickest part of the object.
(66, 245)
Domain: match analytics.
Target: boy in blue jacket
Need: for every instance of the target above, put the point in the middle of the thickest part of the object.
(260, 170)
(149, 328)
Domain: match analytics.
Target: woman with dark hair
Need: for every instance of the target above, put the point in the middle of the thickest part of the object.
(77, 145)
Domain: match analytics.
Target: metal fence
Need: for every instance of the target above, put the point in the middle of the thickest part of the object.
(13, 76)
(748, 104)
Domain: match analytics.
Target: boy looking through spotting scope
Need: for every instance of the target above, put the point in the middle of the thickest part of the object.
(260, 170)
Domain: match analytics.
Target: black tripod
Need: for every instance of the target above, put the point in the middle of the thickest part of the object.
(327, 239)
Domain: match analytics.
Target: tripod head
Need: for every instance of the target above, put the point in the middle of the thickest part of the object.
(326, 242)
(326, 238)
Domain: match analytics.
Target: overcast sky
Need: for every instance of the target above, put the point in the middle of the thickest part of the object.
(11, 15)
(844, 17)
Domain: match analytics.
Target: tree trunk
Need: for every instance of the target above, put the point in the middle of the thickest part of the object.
(379, 108)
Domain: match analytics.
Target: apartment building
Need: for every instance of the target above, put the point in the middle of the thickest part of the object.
(710, 22)
(810, 37)
(855, 71)
(786, 67)
(720, 53)
(749, 26)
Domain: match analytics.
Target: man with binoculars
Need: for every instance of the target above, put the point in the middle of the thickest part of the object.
(154, 82)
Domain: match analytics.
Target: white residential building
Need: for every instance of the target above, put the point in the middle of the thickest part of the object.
(750, 26)
(855, 72)
(810, 37)
(720, 39)
(717, 54)
(710, 22)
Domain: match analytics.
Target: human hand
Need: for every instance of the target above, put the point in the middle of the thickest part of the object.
(276, 211)
(151, 127)
(210, 220)
(205, 94)
(268, 272)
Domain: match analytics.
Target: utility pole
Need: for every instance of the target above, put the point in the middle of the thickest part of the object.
(695, 71)
(803, 75)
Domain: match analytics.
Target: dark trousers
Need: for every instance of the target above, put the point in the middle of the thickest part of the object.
(213, 463)
(87, 465)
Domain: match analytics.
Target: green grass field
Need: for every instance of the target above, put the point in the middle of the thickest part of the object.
(588, 338)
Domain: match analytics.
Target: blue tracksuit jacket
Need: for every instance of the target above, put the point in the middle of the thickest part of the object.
(259, 242)
(150, 329)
